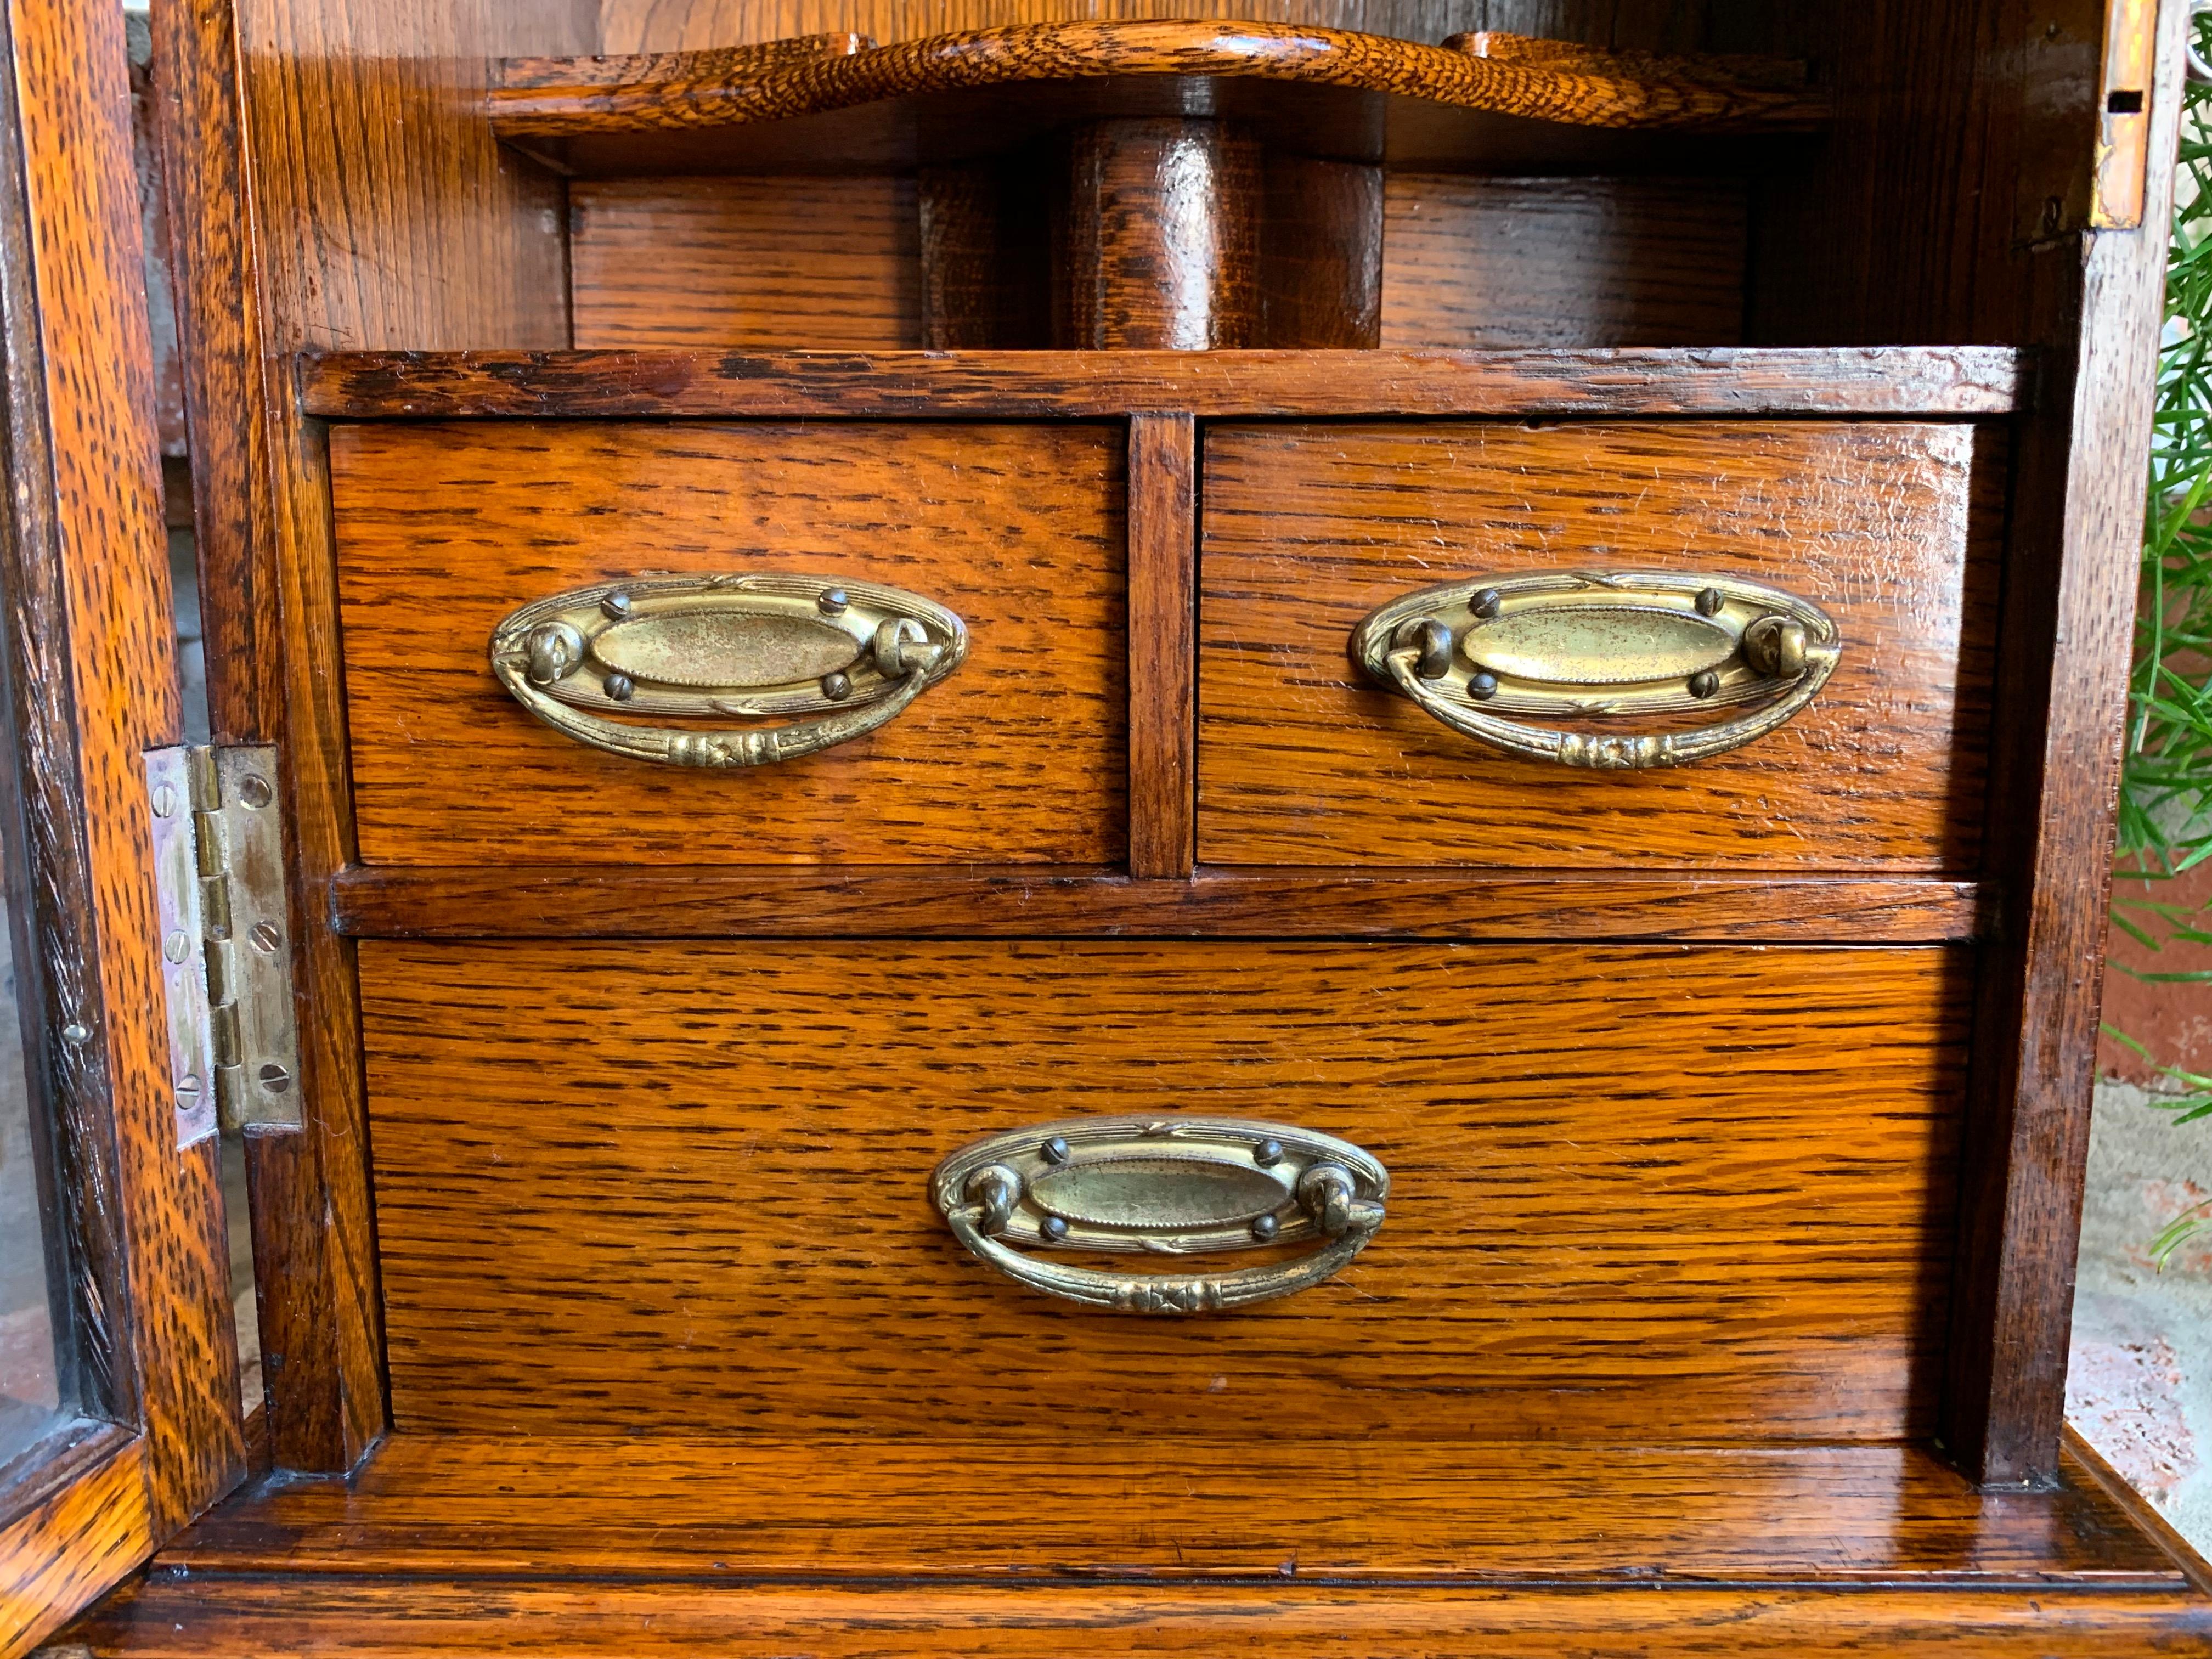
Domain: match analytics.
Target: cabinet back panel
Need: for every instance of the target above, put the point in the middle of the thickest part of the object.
(755, 263)
(1643, 1192)
(1551, 263)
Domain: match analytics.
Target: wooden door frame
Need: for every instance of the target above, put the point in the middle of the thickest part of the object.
(91, 667)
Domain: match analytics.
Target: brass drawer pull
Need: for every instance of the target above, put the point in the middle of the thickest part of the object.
(1180, 1186)
(1573, 644)
(851, 654)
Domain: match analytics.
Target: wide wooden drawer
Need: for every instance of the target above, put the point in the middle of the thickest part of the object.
(1018, 756)
(1890, 529)
(1637, 1192)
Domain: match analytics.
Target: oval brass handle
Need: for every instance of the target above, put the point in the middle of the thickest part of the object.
(1569, 644)
(1178, 1186)
(851, 655)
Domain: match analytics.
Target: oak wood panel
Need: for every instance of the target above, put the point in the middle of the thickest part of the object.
(374, 1618)
(1471, 261)
(636, 26)
(1670, 1194)
(303, 1422)
(1321, 253)
(77, 1543)
(535, 102)
(2069, 631)
(1892, 529)
(1023, 902)
(760, 263)
(1163, 644)
(968, 384)
(195, 112)
(87, 541)
(369, 207)
(1138, 1508)
(1018, 754)
(987, 250)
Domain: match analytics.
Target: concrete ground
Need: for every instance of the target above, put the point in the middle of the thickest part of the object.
(2139, 1389)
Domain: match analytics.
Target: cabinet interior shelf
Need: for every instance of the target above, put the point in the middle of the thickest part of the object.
(833, 103)
(1941, 381)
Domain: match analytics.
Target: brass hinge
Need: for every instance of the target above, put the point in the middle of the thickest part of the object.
(226, 957)
(2124, 98)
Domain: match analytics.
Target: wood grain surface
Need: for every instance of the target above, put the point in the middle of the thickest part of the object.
(1470, 262)
(1163, 644)
(91, 676)
(1962, 381)
(1322, 251)
(765, 263)
(371, 208)
(1892, 529)
(1159, 246)
(1137, 1508)
(1638, 1194)
(1018, 754)
(2069, 629)
(1025, 900)
(986, 250)
(76, 1542)
(537, 100)
(641, 26)
(382, 1618)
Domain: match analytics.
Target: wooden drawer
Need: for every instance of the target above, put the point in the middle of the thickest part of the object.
(1636, 1192)
(1889, 528)
(1018, 756)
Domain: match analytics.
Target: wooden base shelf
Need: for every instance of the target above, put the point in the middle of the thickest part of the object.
(1142, 1546)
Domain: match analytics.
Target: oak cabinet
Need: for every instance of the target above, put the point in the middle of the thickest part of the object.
(1173, 834)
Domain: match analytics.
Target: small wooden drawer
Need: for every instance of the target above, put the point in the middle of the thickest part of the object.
(1889, 529)
(1018, 756)
(1641, 1192)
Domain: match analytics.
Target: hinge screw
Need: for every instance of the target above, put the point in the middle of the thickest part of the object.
(275, 1078)
(265, 938)
(165, 802)
(178, 945)
(253, 789)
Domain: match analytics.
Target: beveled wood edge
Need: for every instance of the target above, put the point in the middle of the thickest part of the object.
(556, 98)
(2147, 1521)
(1943, 382)
(1009, 902)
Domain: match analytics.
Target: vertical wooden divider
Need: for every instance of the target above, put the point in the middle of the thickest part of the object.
(1162, 539)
